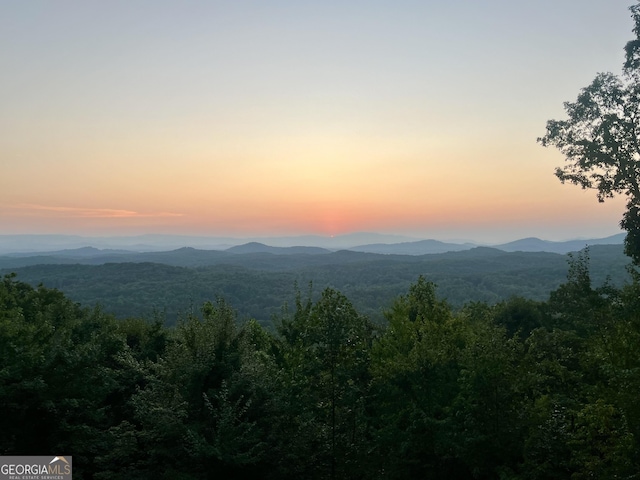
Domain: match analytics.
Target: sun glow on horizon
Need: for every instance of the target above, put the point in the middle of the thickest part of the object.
(411, 118)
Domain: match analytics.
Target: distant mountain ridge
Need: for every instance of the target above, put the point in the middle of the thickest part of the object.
(259, 283)
(531, 244)
(73, 252)
(421, 247)
(156, 242)
(64, 249)
(256, 247)
(534, 244)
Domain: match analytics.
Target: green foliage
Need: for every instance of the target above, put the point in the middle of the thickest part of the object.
(600, 139)
(520, 316)
(601, 443)
(415, 366)
(371, 282)
(324, 356)
(195, 414)
(522, 389)
(59, 372)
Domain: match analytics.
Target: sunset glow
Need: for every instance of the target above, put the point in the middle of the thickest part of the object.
(234, 118)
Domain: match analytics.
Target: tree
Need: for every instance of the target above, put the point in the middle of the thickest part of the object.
(62, 382)
(325, 365)
(415, 367)
(197, 413)
(601, 139)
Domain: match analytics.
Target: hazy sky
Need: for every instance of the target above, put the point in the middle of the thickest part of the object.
(284, 117)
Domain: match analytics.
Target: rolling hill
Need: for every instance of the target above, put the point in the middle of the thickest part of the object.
(259, 283)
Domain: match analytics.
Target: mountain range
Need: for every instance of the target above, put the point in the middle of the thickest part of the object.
(66, 249)
(259, 279)
(137, 276)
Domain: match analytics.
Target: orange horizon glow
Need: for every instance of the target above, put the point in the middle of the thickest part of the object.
(419, 118)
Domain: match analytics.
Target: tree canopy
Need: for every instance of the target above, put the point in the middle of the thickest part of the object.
(600, 139)
(519, 390)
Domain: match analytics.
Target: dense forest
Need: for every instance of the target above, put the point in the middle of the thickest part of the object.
(167, 284)
(521, 389)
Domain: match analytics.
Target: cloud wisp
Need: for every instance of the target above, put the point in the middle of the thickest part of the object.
(30, 209)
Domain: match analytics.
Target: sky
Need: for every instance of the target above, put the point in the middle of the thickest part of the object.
(246, 118)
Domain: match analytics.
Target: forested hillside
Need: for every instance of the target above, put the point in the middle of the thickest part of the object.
(518, 390)
(266, 363)
(259, 284)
